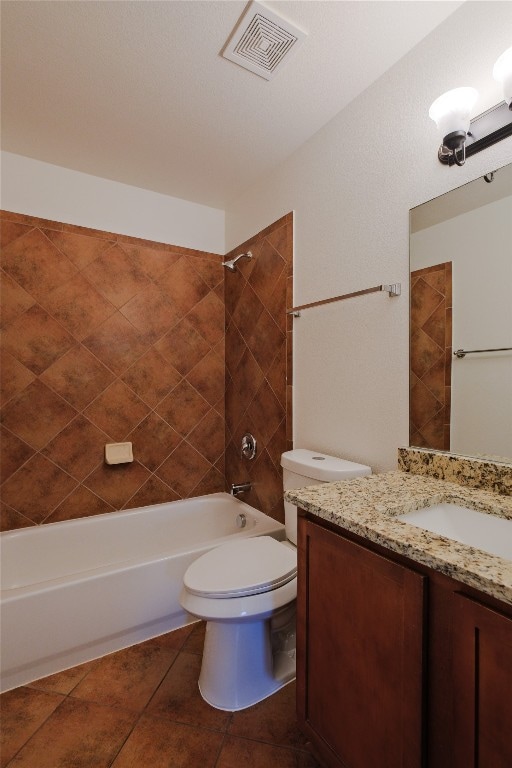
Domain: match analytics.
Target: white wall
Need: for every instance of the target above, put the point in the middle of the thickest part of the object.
(351, 187)
(478, 245)
(40, 189)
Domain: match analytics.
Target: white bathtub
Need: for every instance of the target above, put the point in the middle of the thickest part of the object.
(76, 590)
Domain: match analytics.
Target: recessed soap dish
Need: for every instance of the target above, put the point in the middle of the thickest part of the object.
(118, 453)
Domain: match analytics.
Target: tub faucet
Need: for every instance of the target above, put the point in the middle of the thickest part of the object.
(238, 488)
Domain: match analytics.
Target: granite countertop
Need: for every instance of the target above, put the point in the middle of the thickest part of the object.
(369, 506)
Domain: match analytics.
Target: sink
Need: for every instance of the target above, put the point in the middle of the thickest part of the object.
(478, 529)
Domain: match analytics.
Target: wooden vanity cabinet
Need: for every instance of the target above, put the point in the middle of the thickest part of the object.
(359, 653)
(482, 679)
(398, 666)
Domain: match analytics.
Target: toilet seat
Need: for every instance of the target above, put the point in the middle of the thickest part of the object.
(239, 569)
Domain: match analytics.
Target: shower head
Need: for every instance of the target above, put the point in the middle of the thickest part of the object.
(231, 263)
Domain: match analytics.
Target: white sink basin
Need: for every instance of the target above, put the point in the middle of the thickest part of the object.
(487, 532)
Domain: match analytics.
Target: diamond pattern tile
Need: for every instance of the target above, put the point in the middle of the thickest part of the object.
(37, 415)
(78, 306)
(208, 318)
(269, 266)
(424, 301)
(80, 249)
(37, 488)
(152, 377)
(208, 437)
(153, 441)
(36, 264)
(183, 347)
(264, 340)
(183, 408)
(208, 377)
(209, 269)
(430, 356)
(117, 343)
(14, 300)
(248, 309)
(153, 261)
(259, 362)
(212, 482)
(14, 377)
(109, 338)
(151, 312)
(36, 339)
(13, 453)
(116, 276)
(154, 491)
(434, 327)
(265, 412)
(78, 449)
(116, 484)
(183, 286)
(80, 503)
(10, 230)
(184, 469)
(424, 352)
(10, 520)
(116, 411)
(78, 377)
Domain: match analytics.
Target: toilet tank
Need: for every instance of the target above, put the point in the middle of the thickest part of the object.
(302, 467)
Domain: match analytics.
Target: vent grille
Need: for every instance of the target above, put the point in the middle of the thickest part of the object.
(262, 41)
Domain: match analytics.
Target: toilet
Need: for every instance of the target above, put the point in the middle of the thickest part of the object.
(246, 591)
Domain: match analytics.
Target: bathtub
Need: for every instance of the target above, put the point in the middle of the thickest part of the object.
(76, 590)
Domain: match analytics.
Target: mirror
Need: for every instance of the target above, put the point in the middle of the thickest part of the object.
(461, 299)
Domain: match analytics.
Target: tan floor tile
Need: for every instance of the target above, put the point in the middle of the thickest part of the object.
(174, 639)
(23, 712)
(79, 734)
(195, 641)
(63, 682)
(161, 744)
(178, 697)
(252, 754)
(272, 720)
(127, 678)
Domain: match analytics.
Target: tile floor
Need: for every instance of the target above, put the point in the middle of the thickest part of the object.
(141, 708)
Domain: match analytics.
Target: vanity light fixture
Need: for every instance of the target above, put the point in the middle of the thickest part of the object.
(462, 137)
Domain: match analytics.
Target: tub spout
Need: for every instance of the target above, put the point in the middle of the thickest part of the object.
(238, 488)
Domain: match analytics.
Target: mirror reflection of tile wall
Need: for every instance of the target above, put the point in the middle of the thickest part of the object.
(431, 356)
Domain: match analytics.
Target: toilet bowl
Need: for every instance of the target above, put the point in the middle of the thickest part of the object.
(246, 591)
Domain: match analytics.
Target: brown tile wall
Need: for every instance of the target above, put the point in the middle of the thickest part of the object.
(259, 363)
(106, 338)
(431, 357)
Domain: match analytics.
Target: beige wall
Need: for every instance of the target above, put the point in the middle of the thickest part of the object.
(351, 187)
(50, 192)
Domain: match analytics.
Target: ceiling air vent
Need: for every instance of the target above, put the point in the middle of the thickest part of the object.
(262, 41)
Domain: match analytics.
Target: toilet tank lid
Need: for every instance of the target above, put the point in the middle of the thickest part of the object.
(321, 466)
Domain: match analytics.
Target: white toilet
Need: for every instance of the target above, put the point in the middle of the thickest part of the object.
(246, 591)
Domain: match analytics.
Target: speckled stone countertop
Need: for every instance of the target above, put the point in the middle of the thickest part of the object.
(369, 506)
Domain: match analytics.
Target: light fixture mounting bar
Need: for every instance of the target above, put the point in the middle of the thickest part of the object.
(485, 130)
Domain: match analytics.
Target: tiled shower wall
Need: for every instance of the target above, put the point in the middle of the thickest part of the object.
(106, 338)
(259, 363)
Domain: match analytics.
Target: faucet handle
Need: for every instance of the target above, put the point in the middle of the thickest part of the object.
(248, 450)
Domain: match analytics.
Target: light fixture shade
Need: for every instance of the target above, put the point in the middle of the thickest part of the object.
(502, 72)
(451, 111)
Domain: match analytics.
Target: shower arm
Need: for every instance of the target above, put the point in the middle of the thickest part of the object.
(231, 263)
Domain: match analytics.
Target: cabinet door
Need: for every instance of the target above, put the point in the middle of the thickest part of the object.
(359, 653)
(482, 668)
